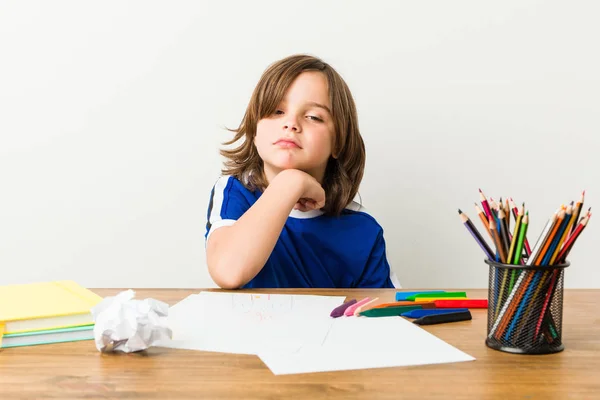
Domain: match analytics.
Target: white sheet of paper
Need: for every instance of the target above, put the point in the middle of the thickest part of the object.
(248, 323)
(362, 342)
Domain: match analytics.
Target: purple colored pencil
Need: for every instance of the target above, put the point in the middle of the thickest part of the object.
(478, 238)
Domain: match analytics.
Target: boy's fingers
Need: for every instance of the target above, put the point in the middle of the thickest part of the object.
(305, 204)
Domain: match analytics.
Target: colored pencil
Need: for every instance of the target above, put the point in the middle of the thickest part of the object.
(504, 235)
(503, 227)
(529, 302)
(493, 207)
(483, 219)
(519, 249)
(511, 258)
(511, 250)
(501, 292)
(522, 283)
(549, 295)
(515, 213)
(485, 204)
(577, 211)
(559, 219)
(471, 228)
(497, 241)
(500, 254)
(563, 236)
(584, 214)
(559, 235)
(507, 211)
(539, 279)
(542, 238)
(562, 256)
(522, 238)
(513, 310)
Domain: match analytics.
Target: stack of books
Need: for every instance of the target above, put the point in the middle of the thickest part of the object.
(43, 313)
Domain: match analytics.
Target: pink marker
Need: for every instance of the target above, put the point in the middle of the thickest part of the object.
(360, 309)
(350, 310)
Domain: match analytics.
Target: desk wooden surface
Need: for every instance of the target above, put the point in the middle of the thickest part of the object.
(78, 370)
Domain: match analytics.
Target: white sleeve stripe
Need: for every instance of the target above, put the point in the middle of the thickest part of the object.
(217, 225)
(217, 200)
(395, 280)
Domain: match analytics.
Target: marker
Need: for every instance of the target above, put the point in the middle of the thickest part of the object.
(400, 296)
(350, 310)
(395, 304)
(425, 304)
(431, 295)
(364, 306)
(388, 311)
(435, 311)
(473, 303)
(339, 310)
(419, 300)
(443, 318)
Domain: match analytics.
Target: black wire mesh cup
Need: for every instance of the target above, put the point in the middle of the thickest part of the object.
(525, 308)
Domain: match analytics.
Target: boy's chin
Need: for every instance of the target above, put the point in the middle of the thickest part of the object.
(286, 165)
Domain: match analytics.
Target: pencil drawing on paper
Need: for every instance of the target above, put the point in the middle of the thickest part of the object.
(262, 306)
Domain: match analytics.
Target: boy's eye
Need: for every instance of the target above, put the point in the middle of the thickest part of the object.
(315, 118)
(278, 112)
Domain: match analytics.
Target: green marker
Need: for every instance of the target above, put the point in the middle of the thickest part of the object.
(388, 311)
(436, 295)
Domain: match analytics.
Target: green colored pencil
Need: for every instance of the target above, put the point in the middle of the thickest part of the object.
(513, 242)
(522, 236)
(519, 250)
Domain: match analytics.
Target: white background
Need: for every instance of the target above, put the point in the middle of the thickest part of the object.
(112, 114)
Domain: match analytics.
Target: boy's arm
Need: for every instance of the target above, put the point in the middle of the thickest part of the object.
(236, 253)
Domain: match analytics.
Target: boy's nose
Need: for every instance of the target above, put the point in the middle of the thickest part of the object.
(291, 125)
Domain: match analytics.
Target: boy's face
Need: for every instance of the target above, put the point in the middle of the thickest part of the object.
(300, 134)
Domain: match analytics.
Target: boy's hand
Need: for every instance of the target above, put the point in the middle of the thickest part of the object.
(311, 195)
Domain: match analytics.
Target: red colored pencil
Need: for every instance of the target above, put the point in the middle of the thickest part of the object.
(562, 256)
(485, 204)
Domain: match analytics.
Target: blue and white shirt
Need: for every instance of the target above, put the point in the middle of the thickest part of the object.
(313, 250)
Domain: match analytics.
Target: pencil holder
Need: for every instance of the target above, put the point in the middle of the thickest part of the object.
(525, 308)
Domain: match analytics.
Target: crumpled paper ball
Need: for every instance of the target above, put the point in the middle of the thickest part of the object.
(128, 325)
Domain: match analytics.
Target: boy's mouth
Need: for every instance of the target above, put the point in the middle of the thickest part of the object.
(288, 143)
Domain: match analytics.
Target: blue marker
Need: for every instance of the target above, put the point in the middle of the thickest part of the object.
(431, 311)
(402, 296)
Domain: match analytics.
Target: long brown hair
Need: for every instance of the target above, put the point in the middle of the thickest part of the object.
(345, 168)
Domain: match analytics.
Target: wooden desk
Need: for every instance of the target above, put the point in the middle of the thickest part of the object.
(78, 370)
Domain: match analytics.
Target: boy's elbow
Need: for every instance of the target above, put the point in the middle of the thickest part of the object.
(228, 283)
(225, 279)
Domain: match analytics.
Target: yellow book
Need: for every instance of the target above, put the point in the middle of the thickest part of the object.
(47, 305)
